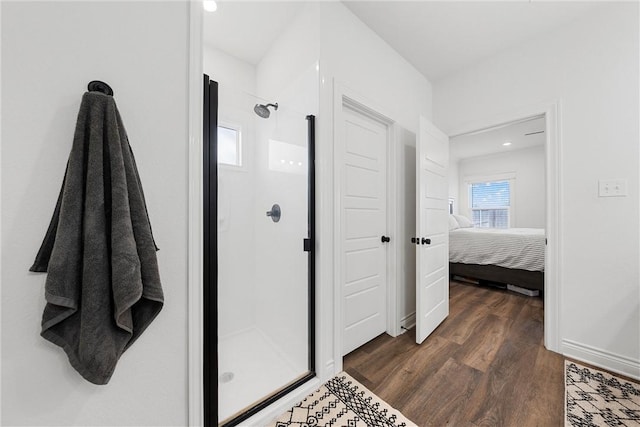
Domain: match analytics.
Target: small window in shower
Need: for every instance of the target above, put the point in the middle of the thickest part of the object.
(229, 145)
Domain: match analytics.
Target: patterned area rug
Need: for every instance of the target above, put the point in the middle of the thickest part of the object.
(342, 401)
(595, 398)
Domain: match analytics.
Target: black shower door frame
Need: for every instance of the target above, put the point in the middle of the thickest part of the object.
(210, 263)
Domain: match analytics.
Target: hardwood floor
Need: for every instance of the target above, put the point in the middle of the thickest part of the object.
(485, 365)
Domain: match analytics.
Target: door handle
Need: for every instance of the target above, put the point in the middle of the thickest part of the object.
(426, 241)
(385, 239)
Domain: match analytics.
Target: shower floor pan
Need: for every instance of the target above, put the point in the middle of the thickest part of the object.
(250, 367)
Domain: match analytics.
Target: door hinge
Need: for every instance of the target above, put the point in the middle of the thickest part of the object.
(307, 245)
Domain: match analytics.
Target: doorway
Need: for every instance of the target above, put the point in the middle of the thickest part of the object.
(550, 143)
(364, 248)
(551, 209)
(363, 219)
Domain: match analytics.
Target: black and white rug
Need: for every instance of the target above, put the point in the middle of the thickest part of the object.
(342, 401)
(596, 398)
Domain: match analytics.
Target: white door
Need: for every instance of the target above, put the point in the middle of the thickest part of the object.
(363, 223)
(432, 257)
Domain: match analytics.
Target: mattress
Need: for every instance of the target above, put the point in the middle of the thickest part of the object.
(521, 248)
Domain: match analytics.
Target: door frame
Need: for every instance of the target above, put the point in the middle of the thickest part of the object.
(345, 97)
(195, 241)
(553, 176)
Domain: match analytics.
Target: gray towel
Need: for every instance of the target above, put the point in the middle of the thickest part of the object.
(103, 287)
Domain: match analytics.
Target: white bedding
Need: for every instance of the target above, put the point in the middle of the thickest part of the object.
(521, 248)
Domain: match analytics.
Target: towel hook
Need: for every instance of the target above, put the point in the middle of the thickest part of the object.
(99, 86)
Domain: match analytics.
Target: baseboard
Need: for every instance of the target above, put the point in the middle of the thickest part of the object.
(408, 322)
(602, 359)
(330, 370)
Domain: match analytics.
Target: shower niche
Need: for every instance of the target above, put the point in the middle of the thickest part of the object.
(259, 234)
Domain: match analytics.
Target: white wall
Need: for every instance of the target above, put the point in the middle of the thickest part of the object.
(591, 67)
(236, 193)
(528, 191)
(454, 183)
(359, 59)
(50, 51)
(291, 55)
(353, 56)
(288, 75)
(233, 74)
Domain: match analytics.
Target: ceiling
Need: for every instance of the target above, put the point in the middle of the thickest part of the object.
(442, 37)
(247, 29)
(437, 37)
(490, 141)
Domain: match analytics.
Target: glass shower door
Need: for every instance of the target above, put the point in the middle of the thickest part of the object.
(260, 238)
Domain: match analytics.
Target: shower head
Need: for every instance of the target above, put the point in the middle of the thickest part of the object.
(263, 110)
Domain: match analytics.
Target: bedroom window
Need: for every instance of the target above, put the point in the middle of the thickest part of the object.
(490, 203)
(229, 148)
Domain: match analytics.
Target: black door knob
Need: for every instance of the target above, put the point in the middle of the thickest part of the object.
(426, 241)
(385, 239)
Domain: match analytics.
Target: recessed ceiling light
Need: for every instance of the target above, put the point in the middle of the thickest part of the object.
(506, 144)
(210, 5)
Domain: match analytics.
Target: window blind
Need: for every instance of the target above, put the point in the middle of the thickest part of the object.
(490, 195)
(490, 204)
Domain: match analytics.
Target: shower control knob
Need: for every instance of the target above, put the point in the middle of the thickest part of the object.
(385, 239)
(275, 213)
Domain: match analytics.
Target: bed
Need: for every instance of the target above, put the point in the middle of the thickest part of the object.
(513, 256)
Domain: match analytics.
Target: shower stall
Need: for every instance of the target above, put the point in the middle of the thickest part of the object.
(259, 235)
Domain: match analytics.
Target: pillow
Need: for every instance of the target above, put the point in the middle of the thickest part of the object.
(453, 224)
(463, 221)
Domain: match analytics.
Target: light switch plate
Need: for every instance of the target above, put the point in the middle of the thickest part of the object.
(612, 188)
